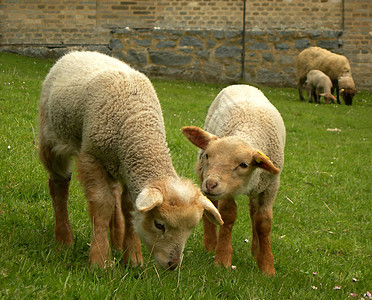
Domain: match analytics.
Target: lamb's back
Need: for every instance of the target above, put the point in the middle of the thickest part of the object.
(90, 89)
(98, 104)
(244, 111)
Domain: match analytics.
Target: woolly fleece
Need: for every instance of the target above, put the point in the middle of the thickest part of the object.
(98, 96)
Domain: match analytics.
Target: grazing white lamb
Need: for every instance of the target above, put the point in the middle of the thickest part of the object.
(335, 66)
(319, 84)
(108, 115)
(240, 127)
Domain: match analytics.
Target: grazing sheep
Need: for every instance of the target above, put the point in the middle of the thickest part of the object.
(108, 115)
(347, 88)
(319, 84)
(241, 123)
(335, 66)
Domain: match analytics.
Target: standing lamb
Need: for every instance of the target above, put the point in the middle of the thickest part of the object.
(241, 122)
(319, 84)
(335, 66)
(108, 115)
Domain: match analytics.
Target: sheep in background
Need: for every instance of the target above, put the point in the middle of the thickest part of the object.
(241, 122)
(319, 84)
(347, 88)
(335, 66)
(108, 115)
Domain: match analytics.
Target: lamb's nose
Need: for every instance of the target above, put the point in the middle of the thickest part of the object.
(173, 264)
(211, 184)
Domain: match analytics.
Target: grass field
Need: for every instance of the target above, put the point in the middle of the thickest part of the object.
(322, 232)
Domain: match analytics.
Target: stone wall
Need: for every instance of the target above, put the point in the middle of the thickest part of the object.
(197, 40)
(216, 55)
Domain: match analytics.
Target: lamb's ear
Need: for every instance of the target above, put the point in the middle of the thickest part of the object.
(210, 211)
(149, 198)
(198, 136)
(260, 160)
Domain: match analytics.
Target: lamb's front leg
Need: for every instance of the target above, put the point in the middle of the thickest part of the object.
(131, 243)
(210, 233)
(264, 255)
(117, 220)
(101, 203)
(261, 211)
(100, 216)
(224, 249)
(252, 211)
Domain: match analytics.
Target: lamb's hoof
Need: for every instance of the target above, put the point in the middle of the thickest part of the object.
(134, 261)
(63, 235)
(267, 269)
(226, 262)
(269, 272)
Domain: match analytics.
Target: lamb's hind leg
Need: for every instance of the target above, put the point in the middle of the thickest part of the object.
(58, 167)
(224, 249)
(101, 201)
(58, 188)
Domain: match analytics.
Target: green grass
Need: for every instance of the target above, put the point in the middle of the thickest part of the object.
(322, 215)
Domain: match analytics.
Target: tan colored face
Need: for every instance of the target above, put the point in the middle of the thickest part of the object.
(166, 212)
(226, 167)
(165, 230)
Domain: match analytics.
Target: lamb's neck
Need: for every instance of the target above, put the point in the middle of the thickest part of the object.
(250, 136)
(142, 167)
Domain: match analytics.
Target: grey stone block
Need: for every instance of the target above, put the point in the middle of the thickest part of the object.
(115, 44)
(227, 51)
(136, 57)
(191, 41)
(168, 58)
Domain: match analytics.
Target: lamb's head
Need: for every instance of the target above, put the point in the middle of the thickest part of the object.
(225, 165)
(165, 214)
(328, 98)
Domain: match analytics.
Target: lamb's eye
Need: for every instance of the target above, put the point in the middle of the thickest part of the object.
(206, 156)
(159, 225)
(243, 165)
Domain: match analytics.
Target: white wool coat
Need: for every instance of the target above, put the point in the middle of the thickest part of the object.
(99, 105)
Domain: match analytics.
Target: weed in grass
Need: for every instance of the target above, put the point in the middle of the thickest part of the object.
(322, 215)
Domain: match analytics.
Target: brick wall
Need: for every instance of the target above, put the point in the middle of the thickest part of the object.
(48, 22)
(90, 22)
(208, 32)
(358, 40)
